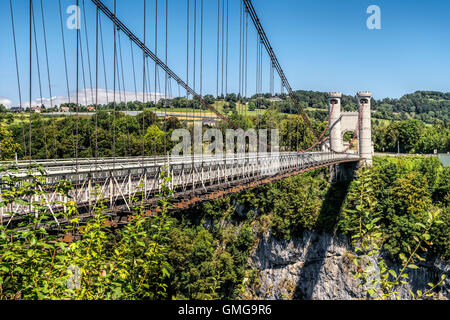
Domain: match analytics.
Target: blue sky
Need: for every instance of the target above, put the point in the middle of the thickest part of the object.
(322, 45)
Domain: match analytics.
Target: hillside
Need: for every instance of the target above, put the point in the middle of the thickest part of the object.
(427, 106)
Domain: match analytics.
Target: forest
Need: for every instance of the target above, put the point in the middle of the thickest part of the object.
(427, 106)
(109, 133)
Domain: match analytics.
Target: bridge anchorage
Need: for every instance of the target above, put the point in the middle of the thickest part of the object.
(357, 122)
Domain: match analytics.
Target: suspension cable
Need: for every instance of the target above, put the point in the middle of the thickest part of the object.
(156, 47)
(257, 67)
(240, 51)
(223, 32)
(246, 52)
(156, 75)
(261, 70)
(46, 55)
(195, 44)
(118, 75)
(87, 49)
(103, 58)
(30, 80)
(321, 137)
(64, 50)
(114, 94)
(277, 65)
(148, 82)
(143, 84)
(158, 61)
(77, 87)
(96, 84)
(37, 54)
(201, 57)
(166, 80)
(39, 79)
(187, 46)
(134, 70)
(80, 40)
(195, 61)
(271, 80)
(218, 48)
(226, 51)
(152, 120)
(201, 49)
(121, 70)
(124, 92)
(18, 74)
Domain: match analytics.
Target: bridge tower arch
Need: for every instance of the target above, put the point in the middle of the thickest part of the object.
(341, 122)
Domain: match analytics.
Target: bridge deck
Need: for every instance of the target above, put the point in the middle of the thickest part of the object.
(118, 181)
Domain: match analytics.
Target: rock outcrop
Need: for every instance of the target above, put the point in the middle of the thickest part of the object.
(319, 267)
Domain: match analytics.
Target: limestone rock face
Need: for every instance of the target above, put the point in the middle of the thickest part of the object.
(319, 267)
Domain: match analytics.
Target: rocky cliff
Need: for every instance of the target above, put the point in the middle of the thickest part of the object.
(319, 267)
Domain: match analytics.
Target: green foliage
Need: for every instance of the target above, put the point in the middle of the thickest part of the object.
(297, 206)
(442, 190)
(426, 106)
(8, 147)
(207, 264)
(127, 264)
(203, 254)
(368, 242)
(412, 136)
(405, 191)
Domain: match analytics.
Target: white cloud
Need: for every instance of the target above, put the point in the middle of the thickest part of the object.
(5, 101)
(88, 96)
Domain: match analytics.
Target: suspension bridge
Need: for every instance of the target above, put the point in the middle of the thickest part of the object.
(94, 57)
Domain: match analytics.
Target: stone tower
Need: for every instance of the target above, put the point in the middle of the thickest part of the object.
(334, 105)
(365, 128)
(342, 122)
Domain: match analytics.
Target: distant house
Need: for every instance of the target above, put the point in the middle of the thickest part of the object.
(64, 109)
(91, 109)
(275, 99)
(16, 109)
(36, 109)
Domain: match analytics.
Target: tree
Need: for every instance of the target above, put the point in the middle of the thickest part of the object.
(9, 118)
(150, 118)
(173, 123)
(372, 271)
(229, 107)
(231, 97)
(209, 99)
(8, 147)
(154, 140)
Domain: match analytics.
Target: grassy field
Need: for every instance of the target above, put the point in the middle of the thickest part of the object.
(180, 114)
(218, 105)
